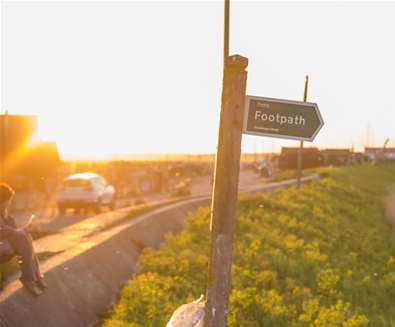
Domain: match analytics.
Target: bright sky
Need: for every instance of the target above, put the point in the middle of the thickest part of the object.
(110, 78)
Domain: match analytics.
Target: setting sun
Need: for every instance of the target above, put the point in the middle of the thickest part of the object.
(121, 85)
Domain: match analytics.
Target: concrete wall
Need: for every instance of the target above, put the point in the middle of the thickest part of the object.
(87, 284)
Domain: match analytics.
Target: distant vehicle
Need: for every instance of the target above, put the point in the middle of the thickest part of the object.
(265, 169)
(85, 190)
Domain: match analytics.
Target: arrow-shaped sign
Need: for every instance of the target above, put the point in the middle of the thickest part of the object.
(279, 118)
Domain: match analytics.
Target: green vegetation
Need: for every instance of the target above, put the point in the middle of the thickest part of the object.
(287, 174)
(293, 173)
(182, 189)
(319, 256)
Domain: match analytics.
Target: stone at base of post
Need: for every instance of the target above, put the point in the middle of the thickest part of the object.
(188, 315)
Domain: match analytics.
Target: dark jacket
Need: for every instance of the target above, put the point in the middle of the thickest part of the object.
(6, 249)
(10, 221)
(5, 225)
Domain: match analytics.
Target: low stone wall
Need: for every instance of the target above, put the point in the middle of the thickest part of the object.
(87, 284)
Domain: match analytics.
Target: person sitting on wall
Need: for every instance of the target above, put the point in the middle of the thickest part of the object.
(21, 244)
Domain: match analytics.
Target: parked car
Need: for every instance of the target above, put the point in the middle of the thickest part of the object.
(85, 190)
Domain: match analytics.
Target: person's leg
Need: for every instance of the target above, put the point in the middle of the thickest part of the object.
(40, 277)
(35, 260)
(22, 245)
(37, 264)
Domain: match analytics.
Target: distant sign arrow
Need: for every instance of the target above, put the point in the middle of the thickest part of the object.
(279, 118)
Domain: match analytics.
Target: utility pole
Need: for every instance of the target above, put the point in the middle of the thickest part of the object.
(226, 177)
(2, 148)
(300, 153)
(386, 142)
(2, 152)
(384, 146)
(3, 144)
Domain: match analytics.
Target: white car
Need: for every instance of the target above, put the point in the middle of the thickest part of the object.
(85, 190)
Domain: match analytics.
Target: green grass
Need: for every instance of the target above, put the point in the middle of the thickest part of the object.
(285, 174)
(319, 256)
(293, 173)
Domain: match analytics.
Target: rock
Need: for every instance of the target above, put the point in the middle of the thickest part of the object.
(188, 315)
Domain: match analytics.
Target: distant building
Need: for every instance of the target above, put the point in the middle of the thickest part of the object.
(42, 160)
(288, 158)
(380, 153)
(358, 157)
(16, 132)
(23, 159)
(337, 157)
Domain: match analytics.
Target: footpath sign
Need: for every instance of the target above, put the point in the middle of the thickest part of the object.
(279, 118)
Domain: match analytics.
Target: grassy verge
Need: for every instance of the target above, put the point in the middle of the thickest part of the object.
(319, 256)
(293, 173)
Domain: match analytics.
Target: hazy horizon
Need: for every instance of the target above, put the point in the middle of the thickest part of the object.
(121, 78)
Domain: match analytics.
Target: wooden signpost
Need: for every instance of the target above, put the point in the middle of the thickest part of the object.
(226, 179)
(269, 117)
(251, 115)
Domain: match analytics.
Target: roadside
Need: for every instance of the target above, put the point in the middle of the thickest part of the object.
(48, 221)
(83, 228)
(54, 234)
(78, 234)
(86, 263)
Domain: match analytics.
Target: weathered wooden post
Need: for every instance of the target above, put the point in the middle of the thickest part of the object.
(226, 177)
